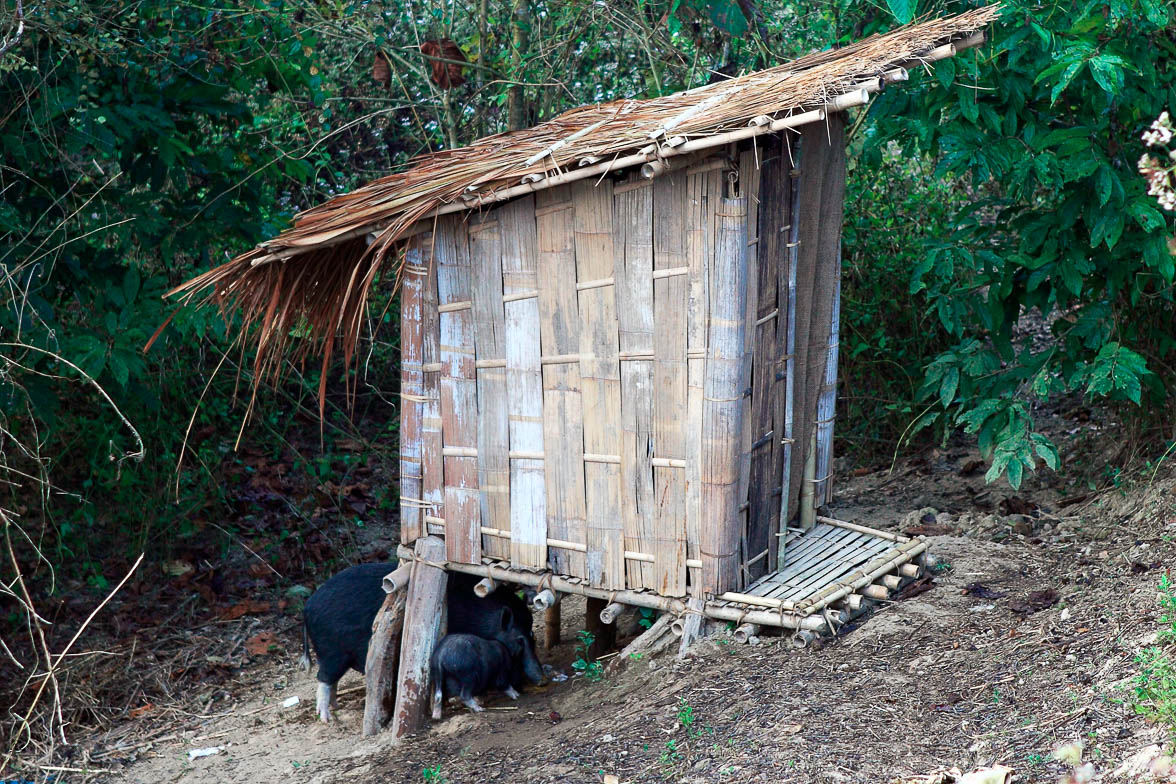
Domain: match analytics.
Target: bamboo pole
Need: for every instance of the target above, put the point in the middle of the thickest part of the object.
(803, 638)
(423, 626)
(397, 580)
(485, 587)
(545, 599)
(808, 500)
(611, 612)
(788, 322)
(745, 631)
(604, 635)
(869, 573)
(863, 529)
(383, 659)
(782, 617)
(692, 627)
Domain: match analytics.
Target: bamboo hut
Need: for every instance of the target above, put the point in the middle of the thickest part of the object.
(619, 337)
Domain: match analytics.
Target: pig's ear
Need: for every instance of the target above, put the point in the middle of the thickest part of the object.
(507, 618)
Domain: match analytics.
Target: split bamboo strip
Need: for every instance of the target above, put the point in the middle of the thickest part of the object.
(524, 383)
(722, 416)
(633, 265)
(670, 420)
(863, 529)
(599, 383)
(704, 189)
(747, 182)
(493, 412)
(563, 423)
(791, 155)
(432, 474)
(412, 380)
(459, 393)
(827, 399)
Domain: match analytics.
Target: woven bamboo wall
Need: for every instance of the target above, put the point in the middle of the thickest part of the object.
(596, 378)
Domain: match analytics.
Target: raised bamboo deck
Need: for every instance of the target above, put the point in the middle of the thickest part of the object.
(833, 572)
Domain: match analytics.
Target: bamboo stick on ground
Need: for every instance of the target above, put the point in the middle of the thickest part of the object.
(653, 640)
(746, 631)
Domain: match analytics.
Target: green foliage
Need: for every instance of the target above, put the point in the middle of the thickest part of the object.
(1155, 686)
(433, 775)
(1044, 126)
(592, 670)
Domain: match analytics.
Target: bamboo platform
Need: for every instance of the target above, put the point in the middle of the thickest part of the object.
(833, 572)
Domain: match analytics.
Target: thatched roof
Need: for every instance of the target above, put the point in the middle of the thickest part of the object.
(316, 274)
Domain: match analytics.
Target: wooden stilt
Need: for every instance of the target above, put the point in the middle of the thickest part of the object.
(383, 658)
(692, 626)
(551, 622)
(423, 626)
(604, 634)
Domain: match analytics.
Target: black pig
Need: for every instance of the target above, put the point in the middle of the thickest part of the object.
(469, 614)
(466, 665)
(337, 621)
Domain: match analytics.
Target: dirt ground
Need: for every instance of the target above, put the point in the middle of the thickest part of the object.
(1027, 643)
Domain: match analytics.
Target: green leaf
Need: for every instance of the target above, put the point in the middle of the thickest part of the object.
(948, 387)
(945, 71)
(903, 10)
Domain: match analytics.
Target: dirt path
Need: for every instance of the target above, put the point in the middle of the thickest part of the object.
(1028, 642)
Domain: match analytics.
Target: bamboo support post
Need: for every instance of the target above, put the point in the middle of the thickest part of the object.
(423, 624)
(611, 612)
(485, 587)
(383, 658)
(808, 501)
(692, 627)
(397, 580)
(891, 581)
(746, 631)
(910, 570)
(876, 591)
(552, 620)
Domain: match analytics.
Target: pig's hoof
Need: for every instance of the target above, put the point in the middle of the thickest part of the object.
(510, 692)
(473, 705)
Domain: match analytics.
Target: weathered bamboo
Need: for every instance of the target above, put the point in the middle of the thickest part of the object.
(786, 337)
(600, 383)
(633, 271)
(412, 380)
(493, 412)
(563, 419)
(648, 644)
(423, 625)
(872, 571)
(485, 587)
(863, 529)
(746, 630)
(722, 415)
(398, 579)
(747, 184)
(611, 612)
(459, 393)
(383, 659)
(692, 627)
(804, 638)
(892, 581)
(912, 570)
(545, 599)
(827, 401)
(879, 592)
(524, 383)
(808, 498)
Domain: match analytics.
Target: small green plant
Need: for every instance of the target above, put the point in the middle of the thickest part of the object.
(685, 714)
(433, 775)
(647, 616)
(670, 753)
(1155, 686)
(1035, 759)
(636, 657)
(941, 567)
(593, 671)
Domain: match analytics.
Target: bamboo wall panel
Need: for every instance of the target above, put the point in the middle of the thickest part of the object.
(459, 393)
(493, 423)
(633, 259)
(723, 402)
(670, 421)
(524, 382)
(822, 190)
(563, 429)
(704, 188)
(412, 382)
(600, 381)
(432, 478)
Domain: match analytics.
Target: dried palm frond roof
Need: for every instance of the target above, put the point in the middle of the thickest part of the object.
(314, 277)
